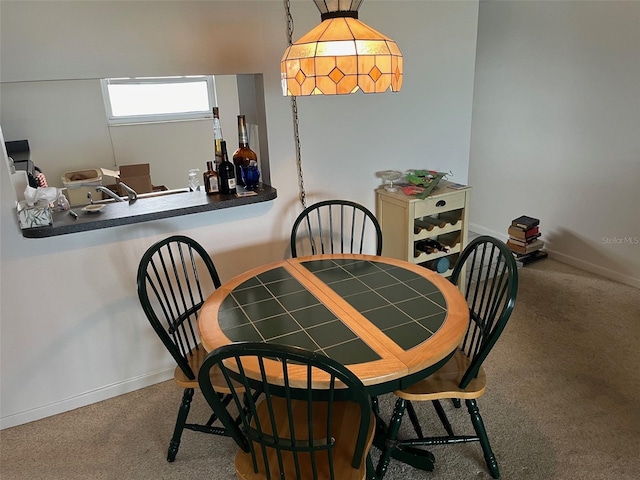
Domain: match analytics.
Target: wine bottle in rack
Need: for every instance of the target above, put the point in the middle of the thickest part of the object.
(429, 246)
(438, 246)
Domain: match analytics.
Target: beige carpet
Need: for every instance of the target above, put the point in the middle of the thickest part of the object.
(562, 402)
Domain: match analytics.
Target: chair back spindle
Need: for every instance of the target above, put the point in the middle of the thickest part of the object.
(336, 226)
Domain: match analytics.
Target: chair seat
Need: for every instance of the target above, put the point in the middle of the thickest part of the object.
(445, 382)
(195, 360)
(344, 431)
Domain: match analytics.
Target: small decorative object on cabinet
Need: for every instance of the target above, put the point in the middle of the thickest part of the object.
(390, 176)
(411, 227)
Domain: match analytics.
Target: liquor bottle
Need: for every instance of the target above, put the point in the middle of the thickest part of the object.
(210, 178)
(217, 135)
(226, 173)
(243, 155)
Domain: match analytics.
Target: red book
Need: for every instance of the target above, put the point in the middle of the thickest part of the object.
(516, 232)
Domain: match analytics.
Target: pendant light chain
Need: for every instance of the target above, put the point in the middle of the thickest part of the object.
(294, 111)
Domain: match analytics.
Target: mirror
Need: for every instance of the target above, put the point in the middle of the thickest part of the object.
(66, 125)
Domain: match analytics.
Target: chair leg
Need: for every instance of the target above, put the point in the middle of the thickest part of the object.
(225, 401)
(211, 420)
(375, 405)
(390, 440)
(183, 412)
(371, 471)
(443, 417)
(478, 425)
(414, 419)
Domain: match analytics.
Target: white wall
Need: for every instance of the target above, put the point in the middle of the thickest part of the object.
(556, 128)
(71, 329)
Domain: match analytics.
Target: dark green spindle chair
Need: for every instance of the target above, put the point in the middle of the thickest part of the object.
(175, 276)
(490, 287)
(335, 226)
(293, 432)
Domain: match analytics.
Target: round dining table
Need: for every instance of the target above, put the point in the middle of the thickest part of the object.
(389, 321)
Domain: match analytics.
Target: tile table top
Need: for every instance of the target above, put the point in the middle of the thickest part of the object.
(373, 314)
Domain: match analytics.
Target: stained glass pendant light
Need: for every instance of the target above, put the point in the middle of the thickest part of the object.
(341, 55)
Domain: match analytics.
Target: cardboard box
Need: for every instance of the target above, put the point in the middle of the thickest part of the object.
(137, 176)
(136, 170)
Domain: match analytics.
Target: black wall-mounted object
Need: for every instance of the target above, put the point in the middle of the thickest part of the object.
(20, 153)
(18, 150)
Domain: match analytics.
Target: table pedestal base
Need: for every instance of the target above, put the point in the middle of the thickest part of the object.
(386, 440)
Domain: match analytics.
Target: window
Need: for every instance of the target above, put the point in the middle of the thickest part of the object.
(158, 99)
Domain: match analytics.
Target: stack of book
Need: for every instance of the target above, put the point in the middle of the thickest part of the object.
(524, 240)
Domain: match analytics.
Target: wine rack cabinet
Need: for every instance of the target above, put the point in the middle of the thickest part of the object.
(405, 220)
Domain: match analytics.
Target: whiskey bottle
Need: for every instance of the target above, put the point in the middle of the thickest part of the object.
(243, 155)
(217, 135)
(226, 173)
(210, 178)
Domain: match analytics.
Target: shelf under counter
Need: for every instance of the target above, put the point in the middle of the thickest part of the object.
(145, 210)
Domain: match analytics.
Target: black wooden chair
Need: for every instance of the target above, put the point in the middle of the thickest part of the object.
(335, 226)
(175, 276)
(293, 432)
(490, 287)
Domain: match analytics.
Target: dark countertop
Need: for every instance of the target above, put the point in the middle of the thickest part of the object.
(144, 210)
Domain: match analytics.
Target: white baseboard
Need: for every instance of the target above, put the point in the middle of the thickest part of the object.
(85, 399)
(568, 259)
(480, 230)
(590, 267)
